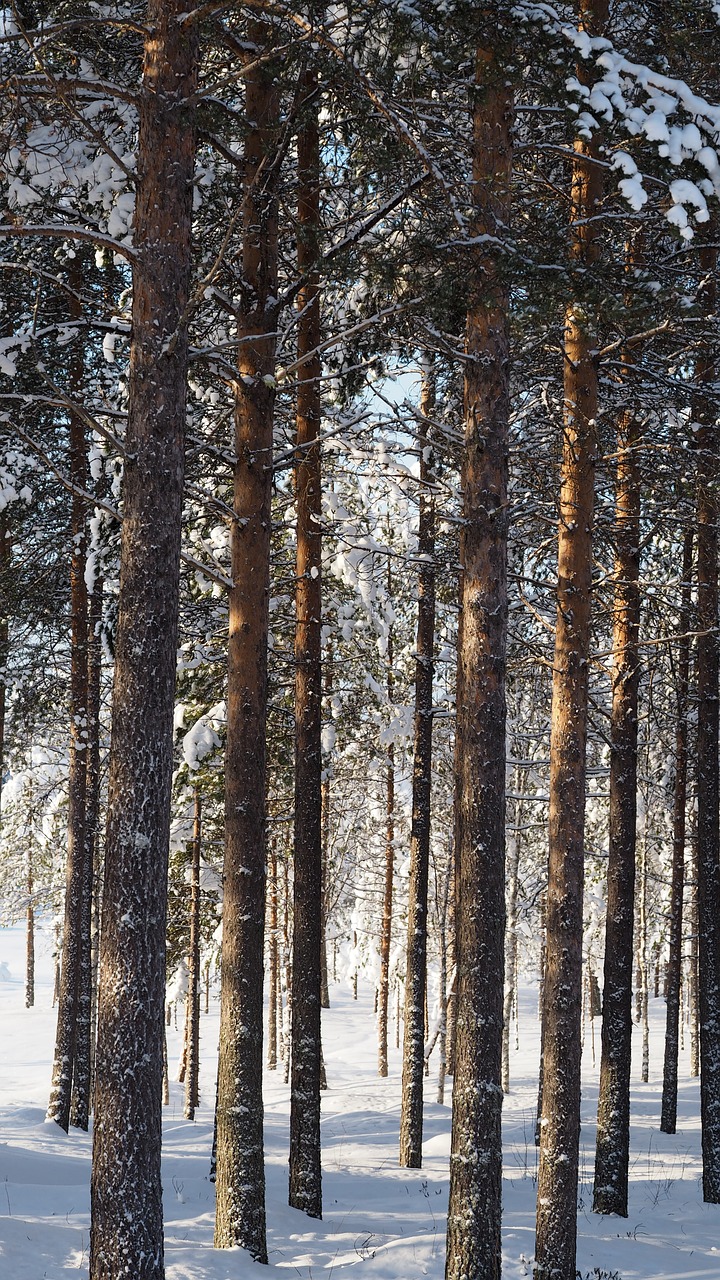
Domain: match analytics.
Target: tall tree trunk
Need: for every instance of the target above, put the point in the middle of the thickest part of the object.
(612, 1153)
(72, 1022)
(30, 929)
(708, 837)
(325, 837)
(386, 926)
(442, 895)
(89, 676)
(192, 1080)
(126, 1235)
(475, 1204)
(286, 967)
(511, 942)
(693, 959)
(556, 1222)
(305, 1191)
(240, 1213)
(668, 1116)
(643, 954)
(92, 804)
(274, 978)
(411, 1108)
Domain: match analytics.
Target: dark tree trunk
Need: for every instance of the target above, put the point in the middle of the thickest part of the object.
(30, 930)
(411, 1109)
(88, 764)
(73, 1023)
(305, 1189)
(383, 995)
(240, 1214)
(556, 1222)
(325, 836)
(274, 957)
(541, 1001)
(693, 965)
(92, 806)
(192, 1079)
(126, 1236)
(673, 976)
(612, 1153)
(475, 1204)
(708, 512)
(511, 942)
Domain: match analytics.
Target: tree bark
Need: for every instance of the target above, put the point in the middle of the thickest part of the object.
(92, 807)
(73, 1022)
(126, 1235)
(475, 1204)
(708, 836)
(30, 930)
(411, 1108)
(612, 1152)
(386, 926)
(511, 942)
(305, 1190)
(274, 978)
(192, 1080)
(693, 965)
(668, 1117)
(240, 1212)
(556, 1220)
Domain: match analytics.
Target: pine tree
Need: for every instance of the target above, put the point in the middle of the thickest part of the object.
(475, 1205)
(126, 1236)
(556, 1226)
(240, 1185)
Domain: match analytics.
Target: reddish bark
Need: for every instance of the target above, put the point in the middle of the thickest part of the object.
(240, 1211)
(126, 1238)
(475, 1205)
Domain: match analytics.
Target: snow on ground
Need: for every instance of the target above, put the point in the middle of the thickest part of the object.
(386, 1223)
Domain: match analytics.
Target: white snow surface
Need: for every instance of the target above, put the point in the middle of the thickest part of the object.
(381, 1222)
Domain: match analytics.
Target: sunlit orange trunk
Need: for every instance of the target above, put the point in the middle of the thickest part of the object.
(474, 1211)
(556, 1227)
(240, 1184)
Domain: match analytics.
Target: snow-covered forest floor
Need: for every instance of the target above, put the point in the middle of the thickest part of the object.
(386, 1223)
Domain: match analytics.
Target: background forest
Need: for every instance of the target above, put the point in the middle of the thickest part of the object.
(359, 575)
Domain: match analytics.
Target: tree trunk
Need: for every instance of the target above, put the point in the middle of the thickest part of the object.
(30, 931)
(708, 512)
(411, 1108)
(126, 1236)
(274, 978)
(386, 928)
(240, 1213)
(192, 1081)
(693, 965)
(475, 1207)
(442, 894)
(511, 943)
(612, 1153)
(556, 1222)
(73, 1022)
(642, 951)
(92, 807)
(305, 1190)
(668, 1118)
